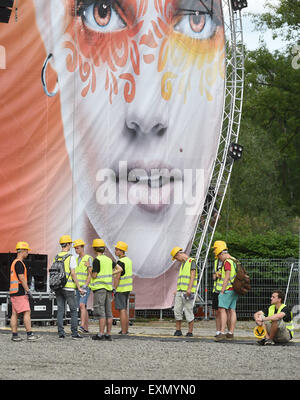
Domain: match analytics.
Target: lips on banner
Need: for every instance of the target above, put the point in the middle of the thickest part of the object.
(119, 139)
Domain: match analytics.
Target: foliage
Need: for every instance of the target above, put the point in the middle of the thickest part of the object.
(270, 245)
(264, 191)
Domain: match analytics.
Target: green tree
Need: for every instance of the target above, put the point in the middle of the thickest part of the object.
(264, 192)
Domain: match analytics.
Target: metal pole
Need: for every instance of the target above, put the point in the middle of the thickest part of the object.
(299, 271)
(205, 291)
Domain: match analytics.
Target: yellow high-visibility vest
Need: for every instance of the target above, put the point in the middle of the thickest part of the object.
(70, 283)
(289, 325)
(185, 276)
(232, 275)
(125, 283)
(82, 270)
(104, 278)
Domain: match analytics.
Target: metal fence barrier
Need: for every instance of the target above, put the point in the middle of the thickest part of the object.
(265, 276)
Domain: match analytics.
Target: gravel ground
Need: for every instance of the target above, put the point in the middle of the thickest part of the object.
(150, 353)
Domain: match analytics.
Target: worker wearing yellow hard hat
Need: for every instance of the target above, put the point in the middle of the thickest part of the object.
(123, 284)
(83, 272)
(186, 290)
(174, 251)
(65, 239)
(22, 246)
(68, 292)
(219, 246)
(227, 297)
(20, 293)
(98, 243)
(102, 286)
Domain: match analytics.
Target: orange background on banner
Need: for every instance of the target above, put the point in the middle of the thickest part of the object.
(32, 151)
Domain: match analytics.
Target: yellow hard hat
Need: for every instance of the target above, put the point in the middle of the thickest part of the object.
(65, 239)
(78, 242)
(22, 246)
(121, 246)
(98, 243)
(174, 251)
(219, 246)
(259, 332)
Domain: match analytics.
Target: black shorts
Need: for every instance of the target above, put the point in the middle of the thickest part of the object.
(215, 301)
(121, 300)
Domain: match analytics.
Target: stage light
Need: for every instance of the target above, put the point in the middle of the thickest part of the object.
(5, 10)
(235, 151)
(239, 4)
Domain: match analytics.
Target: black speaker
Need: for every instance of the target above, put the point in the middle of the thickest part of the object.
(5, 10)
(36, 265)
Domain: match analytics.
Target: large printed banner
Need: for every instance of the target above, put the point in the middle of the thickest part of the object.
(111, 112)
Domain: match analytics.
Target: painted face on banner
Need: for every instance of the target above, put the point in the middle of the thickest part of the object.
(141, 86)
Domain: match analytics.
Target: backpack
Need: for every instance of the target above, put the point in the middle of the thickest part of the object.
(57, 273)
(241, 283)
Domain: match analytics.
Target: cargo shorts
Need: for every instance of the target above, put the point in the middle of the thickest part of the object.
(102, 303)
(181, 306)
(282, 335)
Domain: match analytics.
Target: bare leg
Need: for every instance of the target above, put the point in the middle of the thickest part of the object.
(108, 325)
(14, 322)
(223, 313)
(124, 320)
(191, 326)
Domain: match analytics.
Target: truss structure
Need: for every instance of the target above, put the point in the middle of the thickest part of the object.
(232, 111)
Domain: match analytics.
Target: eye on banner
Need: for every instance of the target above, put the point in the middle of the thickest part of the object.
(111, 113)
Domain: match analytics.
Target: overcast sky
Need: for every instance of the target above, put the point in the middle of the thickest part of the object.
(251, 36)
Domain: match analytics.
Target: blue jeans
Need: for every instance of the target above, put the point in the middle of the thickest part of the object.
(63, 296)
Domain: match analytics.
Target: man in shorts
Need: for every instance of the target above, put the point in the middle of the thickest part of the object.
(277, 321)
(122, 284)
(227, 298)
(101, 285)
(83, 274)
(20, 293)
(186, 290)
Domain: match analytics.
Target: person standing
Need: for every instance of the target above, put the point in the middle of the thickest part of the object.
(20, 293)
(101, 285)
(83, 273)
(186, 290)
(216, 290)
(227, 297)
(277, 321)
(217, 286)
(67, 293)
(122, 284)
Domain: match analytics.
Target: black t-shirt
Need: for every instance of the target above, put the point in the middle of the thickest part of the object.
(19, 268)
(286, 310)
(122, 265)
(97, 266)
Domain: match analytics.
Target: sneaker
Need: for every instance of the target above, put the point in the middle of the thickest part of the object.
(177, 333)
(33, 338)
(189, 334)
(269, 342)
(61, 336)
(77, 337)
(82, 330)
(262, 342)
(229, 336)
(16, 338)
(108, 337)
(98, 337)
(221, 337)
(121, 333)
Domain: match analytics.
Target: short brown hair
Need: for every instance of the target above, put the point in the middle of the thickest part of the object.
(280, 295)
(99, 249)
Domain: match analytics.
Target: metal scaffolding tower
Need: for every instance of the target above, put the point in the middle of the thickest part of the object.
(232, 111)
